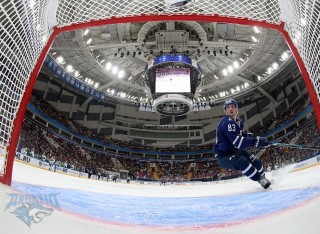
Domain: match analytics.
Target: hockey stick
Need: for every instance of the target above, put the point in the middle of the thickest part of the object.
(292, 146)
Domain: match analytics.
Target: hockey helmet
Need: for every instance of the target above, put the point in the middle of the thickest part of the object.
(230, 102)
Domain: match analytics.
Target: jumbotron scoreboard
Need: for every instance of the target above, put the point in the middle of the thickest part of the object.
(172, 79)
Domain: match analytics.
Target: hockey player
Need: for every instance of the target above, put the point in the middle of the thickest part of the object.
(232, 142)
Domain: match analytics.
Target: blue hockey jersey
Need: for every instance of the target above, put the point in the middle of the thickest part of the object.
(230, 137)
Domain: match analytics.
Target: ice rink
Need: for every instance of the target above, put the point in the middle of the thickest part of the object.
(90, 206)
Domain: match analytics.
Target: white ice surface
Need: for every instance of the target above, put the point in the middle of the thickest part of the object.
(302, 218)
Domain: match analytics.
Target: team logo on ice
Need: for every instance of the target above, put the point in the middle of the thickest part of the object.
(32, 208)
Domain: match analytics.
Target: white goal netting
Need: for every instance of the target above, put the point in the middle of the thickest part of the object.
(26, 26)
(23, 34)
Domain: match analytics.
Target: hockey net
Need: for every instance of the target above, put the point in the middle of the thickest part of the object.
(28, 27)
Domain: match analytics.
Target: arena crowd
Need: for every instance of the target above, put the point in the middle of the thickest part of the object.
(43, 144)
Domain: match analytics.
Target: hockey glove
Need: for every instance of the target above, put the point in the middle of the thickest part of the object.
(247, 134)
(261, 142)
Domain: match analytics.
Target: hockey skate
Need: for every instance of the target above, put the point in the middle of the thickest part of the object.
(264, 182)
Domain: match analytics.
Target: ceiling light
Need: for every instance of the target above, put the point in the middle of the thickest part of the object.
(284, 56)
(114, 70)
(86, 32)
(224, 72)
(76, 73)
(254, 39)
(108, 66)
(69, 68)
(60, 59)
(256, 29)
(89, 41)
(230, 69)
(121, 74)
(236, 64)
(275, 65)
(96, 85)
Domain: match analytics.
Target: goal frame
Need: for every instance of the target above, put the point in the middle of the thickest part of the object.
(11, 148)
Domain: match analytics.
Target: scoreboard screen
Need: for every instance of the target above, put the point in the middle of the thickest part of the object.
(172, 80)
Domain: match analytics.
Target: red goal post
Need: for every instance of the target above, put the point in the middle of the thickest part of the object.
(28, 28)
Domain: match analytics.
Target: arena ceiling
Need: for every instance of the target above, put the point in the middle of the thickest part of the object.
(236, 60)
